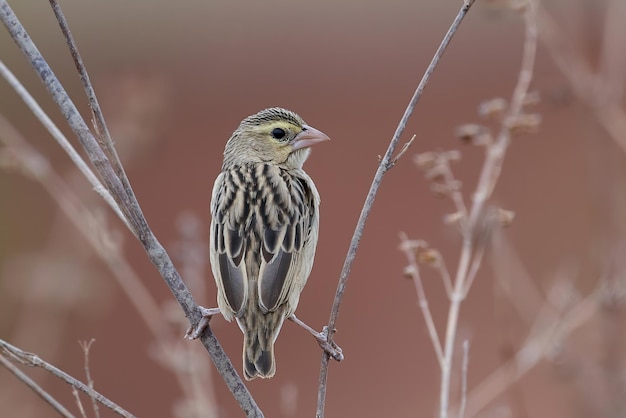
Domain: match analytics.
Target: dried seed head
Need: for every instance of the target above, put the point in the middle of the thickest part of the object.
(505, 217)
(452, 218)
(524, 124)
(532, 98)
(440, 189)
(428, 256)
(455, 185)
(473, 133)
(437, 173)
(493, 109)
(452, 155)
(413, 244)
(468, 132)
(408, 272)
(426, 160)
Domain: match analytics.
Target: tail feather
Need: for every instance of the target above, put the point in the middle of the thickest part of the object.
(260, 331)
(258, 361)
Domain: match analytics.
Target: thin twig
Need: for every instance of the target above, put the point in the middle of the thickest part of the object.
(86, 346)
(35, 387)
(610, 115)
(91, 227)
(464, 369)
(454, 192)
(489, 176)
(440, 266)
(56, 133)
(535, 348)
(474, 267)
(403, 151)
(30, 359)
(383, 167)
(100, 124)
(422, 300)
(129, 207)
(79, 403)
(198, 386)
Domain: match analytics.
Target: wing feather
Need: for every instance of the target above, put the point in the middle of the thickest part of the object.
(264, 229)
(285, 252)
(228, 244)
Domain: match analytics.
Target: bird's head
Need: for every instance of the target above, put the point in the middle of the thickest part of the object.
(273, 136)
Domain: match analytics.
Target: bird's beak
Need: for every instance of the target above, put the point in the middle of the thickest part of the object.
(309, 136)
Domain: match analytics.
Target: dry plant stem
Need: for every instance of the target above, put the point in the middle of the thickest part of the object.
(129, 207)
(445, 275)
(422, 300)
(101, 127)
(403, 151)
(86, 346)
(194, 372)
(455, 192)
(79, 404)
(61, 140)
(35, 387)
(464, 369)
(33, 360)
(475, 266)
(385, 164)
(97, 234)
(583, 81)
(535, 348)
(489, 176)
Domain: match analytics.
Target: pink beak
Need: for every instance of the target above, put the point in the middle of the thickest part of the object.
(309, 136)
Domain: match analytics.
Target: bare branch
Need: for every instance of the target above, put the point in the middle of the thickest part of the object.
(129, 207)
(92, 228)
(476, 224)
(30, 359)
(61, 140)
(414, 272)
(464, 369)
(536, 347)
(371, 195)
(86, 346)
(79, 404)
(99, 123)
(607, 111)
(35, 387)
(403, 150)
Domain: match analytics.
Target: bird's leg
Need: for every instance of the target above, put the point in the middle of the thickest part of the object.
(330, 347)
(207, 313)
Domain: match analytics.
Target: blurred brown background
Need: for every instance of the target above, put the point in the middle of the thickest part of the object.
(175, 79)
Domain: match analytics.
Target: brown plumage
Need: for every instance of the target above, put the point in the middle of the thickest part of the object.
(265, 218)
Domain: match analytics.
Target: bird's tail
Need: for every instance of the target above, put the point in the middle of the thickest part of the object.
(258, 345)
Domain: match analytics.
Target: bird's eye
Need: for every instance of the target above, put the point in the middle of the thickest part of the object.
(278, 133)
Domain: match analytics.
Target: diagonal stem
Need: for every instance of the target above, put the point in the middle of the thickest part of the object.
(129, 207)
(383, 167)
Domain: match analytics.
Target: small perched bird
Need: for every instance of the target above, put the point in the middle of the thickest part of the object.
(265, 220)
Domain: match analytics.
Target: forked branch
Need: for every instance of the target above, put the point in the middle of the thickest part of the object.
(115, 182)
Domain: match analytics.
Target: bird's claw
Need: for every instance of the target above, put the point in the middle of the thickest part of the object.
(207, 313)
(330, 347)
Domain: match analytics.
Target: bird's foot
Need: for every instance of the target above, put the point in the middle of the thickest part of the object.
(330, 347)
(207, 313)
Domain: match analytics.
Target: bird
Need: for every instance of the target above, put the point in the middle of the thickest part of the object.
(264, 229)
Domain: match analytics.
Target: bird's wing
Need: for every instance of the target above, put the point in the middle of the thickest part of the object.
(266, 217)
(288, 216)
(229, 209)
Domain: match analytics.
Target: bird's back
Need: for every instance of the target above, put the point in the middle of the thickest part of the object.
(263, 239)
